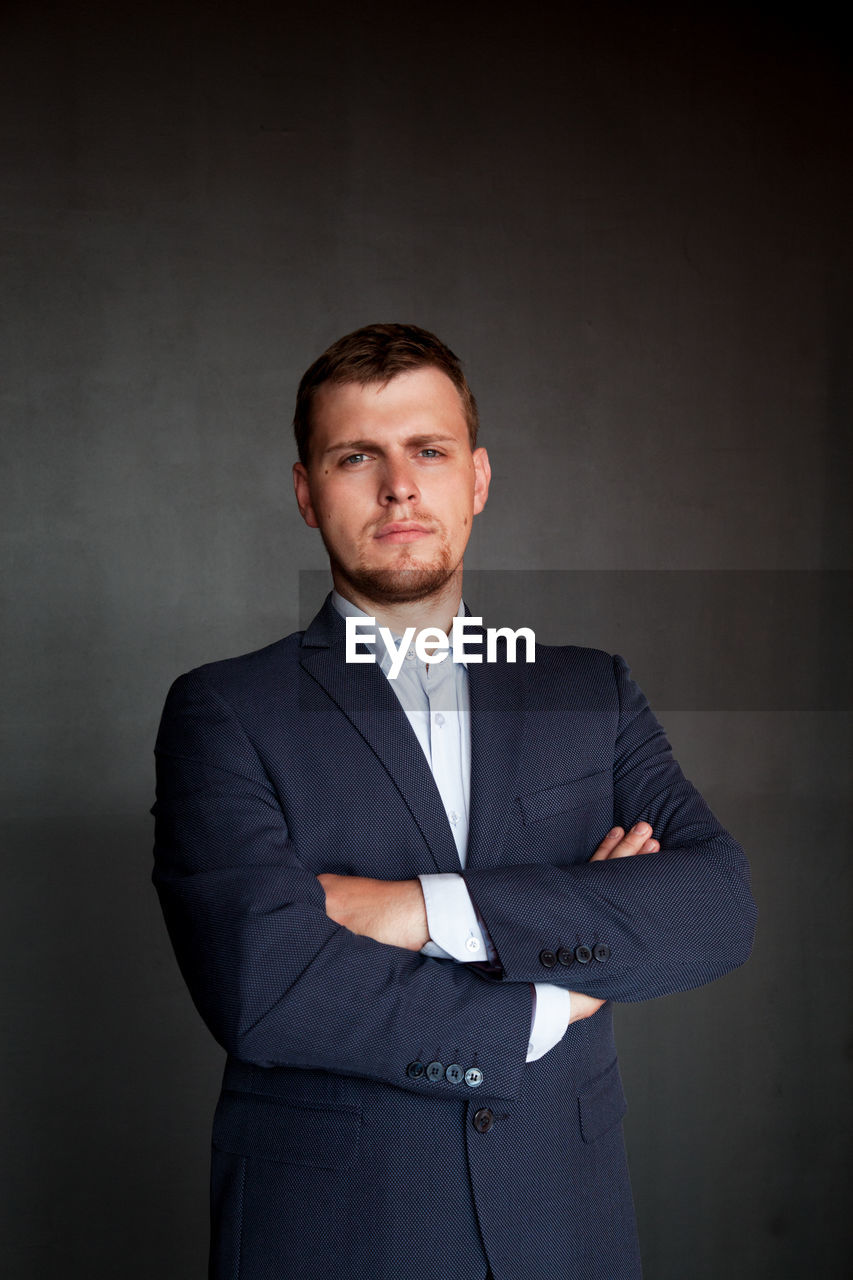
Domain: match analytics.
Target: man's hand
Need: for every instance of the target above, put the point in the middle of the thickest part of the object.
(389, 911)
(616, 844)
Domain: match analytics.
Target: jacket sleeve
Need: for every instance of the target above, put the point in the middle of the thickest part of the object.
(629, 928)
(277, 981)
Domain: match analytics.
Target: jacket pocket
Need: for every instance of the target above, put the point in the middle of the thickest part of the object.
(251, 1124)
(602, 1105)
(565, 796)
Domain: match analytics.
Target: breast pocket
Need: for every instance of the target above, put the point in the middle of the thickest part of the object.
(322, 1137)
(565, 822)
(563, 797)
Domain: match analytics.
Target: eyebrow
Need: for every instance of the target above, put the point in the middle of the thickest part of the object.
(370, 446)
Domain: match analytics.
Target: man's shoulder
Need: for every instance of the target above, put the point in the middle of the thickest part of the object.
(246, 671)
(576, 653)
(557, 658)
(572, 677)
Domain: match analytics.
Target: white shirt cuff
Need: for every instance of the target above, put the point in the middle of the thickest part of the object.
(550, 1016)
(456, 933)
(454, 929)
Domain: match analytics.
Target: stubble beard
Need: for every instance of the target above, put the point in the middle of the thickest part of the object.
(405, 583)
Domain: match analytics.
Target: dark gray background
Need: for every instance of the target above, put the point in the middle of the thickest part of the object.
(632, 222)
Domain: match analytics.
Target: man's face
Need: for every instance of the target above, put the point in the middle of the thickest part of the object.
(392, 485)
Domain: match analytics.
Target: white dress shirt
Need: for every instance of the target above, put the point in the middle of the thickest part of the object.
(434, 697)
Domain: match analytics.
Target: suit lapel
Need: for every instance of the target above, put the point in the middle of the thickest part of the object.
(497, 722)
(365, 697)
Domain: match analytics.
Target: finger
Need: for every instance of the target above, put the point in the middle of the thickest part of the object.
(633, 842)
(609, 843)
(583, 1006)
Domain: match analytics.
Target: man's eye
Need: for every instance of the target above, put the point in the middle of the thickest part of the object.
(354, 459)
(431, 453)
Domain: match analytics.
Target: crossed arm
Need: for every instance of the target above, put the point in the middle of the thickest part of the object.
(393, 911)
(275, 976)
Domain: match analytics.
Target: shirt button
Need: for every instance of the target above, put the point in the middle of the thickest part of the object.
(473, 1077)
(454, 818)
(483, 1120)
(435, 1071)
(472, 944)
(410, 655)
(439, 719)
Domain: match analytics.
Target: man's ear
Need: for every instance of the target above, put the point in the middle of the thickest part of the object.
(302, 489)
(482, 477)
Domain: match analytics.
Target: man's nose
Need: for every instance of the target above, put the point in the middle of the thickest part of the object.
(399, 484)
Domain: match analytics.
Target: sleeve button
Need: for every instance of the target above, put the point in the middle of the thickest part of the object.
(601, 951)
(583, 955)
(415, 1070)
(435, 1071)
(547, 959)
(454, 1073)
(473, 1077)
(565, 956)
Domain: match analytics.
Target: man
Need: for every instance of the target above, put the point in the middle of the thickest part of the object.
(403, 906)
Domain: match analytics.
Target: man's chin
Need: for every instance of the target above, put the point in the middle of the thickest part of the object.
(400, 586)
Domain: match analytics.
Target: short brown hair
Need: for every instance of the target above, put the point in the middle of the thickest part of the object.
(377, 353)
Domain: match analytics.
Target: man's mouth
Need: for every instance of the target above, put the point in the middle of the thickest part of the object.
(402, 531)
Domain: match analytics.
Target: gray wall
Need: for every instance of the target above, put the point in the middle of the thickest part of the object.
(633, 224)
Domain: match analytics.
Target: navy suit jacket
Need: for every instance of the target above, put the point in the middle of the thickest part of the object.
(335, 1152)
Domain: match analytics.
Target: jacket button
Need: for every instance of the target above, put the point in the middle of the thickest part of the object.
(565, 956)
(454, 1073)
(483, 1120)
(547, 958)
(415, 1070)
(583, 955)
(435, 1071)
(473, 1077)
(601, 951)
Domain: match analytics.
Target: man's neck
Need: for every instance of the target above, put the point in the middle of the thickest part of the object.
(436, 610)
